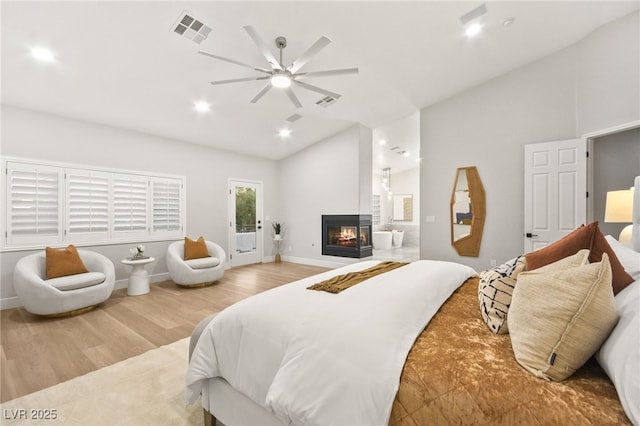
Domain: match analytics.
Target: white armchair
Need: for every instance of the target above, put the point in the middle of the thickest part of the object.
(196, 272)
(62, 296)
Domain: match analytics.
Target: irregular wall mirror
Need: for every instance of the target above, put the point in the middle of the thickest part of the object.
(403, 207)
(467, 212)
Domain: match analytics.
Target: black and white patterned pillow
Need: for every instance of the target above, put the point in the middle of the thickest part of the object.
(494, 293)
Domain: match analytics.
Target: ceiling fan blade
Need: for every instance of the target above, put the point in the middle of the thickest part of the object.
(261, 93)
(264, 49)
(242, 64)
(330, 73)
(293, 97)
(309, 53)
(317, 89)
(237, 80)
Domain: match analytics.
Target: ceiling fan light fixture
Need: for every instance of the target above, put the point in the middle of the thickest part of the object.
(284, 133)
(42, 54)
(281, 80)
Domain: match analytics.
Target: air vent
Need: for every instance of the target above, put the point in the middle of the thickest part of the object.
(401, 152)
(475, 13)
(294, 117)
(189, 27)
(326, 101)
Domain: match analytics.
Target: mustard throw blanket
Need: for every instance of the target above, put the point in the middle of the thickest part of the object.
(343, 282)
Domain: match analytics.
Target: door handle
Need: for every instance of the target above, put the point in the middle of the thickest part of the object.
(529, 235)
(259, 226)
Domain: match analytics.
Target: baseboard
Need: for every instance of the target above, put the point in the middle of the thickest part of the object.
(9, 302)
(321, 262)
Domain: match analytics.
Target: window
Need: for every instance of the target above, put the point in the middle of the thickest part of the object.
(33, 204)
(167, 211)
(87, 205)
(49, 204)
(129, 205)
(375, 206)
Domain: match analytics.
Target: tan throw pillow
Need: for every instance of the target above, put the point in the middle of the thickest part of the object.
(495, 289)
(63, 262)
(558, 318)
(195, 249)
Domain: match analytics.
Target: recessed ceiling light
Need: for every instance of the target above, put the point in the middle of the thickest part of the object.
(508, 22)
(202, 106)
(473, 30)
(42, 54)
(382, 142)
(284, 133)
(419, 160)
(406, 154)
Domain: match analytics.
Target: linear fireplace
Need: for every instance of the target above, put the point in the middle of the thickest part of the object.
(347, 235)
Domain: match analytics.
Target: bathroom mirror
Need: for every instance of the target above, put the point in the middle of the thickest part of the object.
(467, 212)
(403, 207)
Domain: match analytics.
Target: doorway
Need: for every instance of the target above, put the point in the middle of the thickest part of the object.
(245, 222)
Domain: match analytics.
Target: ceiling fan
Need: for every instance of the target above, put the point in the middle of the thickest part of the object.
(281, 76)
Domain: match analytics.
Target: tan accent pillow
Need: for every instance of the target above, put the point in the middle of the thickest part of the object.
(195, 249)
(559, 318)
(495, 290)
(579, 239)
(63, 262)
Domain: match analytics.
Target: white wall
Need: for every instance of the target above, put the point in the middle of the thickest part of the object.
(588, 86)
(323, 179)
(35, 135)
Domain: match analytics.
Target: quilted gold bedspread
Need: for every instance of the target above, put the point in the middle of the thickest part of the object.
(458, 372)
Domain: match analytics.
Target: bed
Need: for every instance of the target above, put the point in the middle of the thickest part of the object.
(324, 363)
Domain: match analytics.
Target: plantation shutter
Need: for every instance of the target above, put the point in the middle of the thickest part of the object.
(34, 204)
(87, 205)
(167, 208)
(130, 201)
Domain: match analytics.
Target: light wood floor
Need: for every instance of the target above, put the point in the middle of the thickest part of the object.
(37, 353)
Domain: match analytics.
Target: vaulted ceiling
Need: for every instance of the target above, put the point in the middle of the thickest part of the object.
(121, 63)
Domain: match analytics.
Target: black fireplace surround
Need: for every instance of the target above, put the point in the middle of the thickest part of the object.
(347, 235)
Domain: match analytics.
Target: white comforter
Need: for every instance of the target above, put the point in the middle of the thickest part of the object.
(313, 357)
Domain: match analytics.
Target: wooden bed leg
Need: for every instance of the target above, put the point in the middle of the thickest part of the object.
(209, 419)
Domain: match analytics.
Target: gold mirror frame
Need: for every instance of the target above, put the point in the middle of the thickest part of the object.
(469, 244)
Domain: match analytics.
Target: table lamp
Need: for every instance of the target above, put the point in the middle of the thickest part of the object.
(618, 209)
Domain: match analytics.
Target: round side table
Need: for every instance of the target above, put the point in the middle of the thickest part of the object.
(139, 277)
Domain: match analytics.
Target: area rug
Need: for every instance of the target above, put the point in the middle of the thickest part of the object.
(144, 390)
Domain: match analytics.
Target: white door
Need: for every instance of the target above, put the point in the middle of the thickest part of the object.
(555, 190)
(245, 222)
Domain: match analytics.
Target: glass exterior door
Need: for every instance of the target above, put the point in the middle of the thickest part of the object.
(245, 220)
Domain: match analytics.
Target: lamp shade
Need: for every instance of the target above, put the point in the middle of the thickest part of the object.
(619, 206)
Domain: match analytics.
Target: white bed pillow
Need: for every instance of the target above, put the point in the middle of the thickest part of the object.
(619, 355)
(629, 258)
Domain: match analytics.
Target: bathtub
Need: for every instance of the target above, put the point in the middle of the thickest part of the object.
(382, 240)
